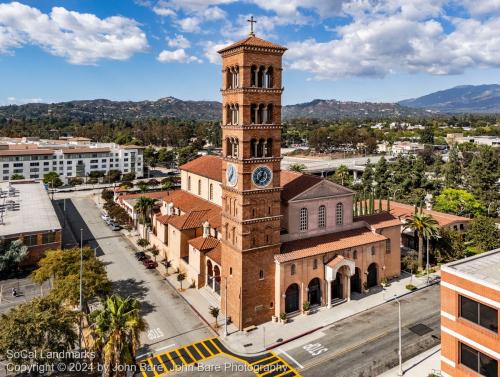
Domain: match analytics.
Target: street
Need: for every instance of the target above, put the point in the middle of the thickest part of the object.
(367, 343)
(171, 321)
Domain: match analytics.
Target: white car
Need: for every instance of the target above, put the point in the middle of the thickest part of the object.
(105, 217)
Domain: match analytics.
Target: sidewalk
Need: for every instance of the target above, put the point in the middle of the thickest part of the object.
(272, 334)
(420, 366)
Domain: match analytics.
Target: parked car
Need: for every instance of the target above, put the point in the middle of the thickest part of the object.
(150, 264)
(114, 226)
(140, 255)
(105, 217)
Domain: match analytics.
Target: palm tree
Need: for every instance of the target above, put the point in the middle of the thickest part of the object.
(298, 168)
(143, 207)
(118, 326)
(180, 278)
(426, 227)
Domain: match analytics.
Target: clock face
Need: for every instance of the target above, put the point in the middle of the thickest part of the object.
(231, 175)
(262, 176)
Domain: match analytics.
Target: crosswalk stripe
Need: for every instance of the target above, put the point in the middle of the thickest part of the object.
(166, 361)
(194, 352)
(185, 356)
(175, 359)
(204, 351)
(152, 366)
(215, 345)
(190, 354)
(261, 360)
(210, 347)
(165, 369)
(268, 366)
(180, 356)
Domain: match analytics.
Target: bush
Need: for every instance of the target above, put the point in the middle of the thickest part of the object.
(410, 287)
(75, 181)
(128, 176)
(153, 182)
(92, 181)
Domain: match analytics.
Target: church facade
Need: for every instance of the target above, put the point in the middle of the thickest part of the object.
(263, 240)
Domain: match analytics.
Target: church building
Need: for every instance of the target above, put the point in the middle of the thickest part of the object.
(270, 241)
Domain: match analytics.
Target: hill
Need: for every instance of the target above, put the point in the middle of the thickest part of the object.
(170, 107)
(460, 99)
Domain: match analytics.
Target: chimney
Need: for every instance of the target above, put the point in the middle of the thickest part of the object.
(206, 229)
(170, 209)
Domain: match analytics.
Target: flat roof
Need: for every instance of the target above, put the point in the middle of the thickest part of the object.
(482, 267)
(35, 211)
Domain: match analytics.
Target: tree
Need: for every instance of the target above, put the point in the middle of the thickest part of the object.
(298, 168)
(458, 202)
(117, 330)
(381, 175)
(166, 157)
(483, 174)
(154, 250)
(52, 179)
(180, 278)
(12, 256)
(214, 312)
(426, 227)
(16, 177)
(107, 195)
(367, 177)
(142, 242)
(74, 181)
(143, 207)
(482, 235)
(63, 267)
(450, 246)
(128, 177)
(342, 176)
(186, 154)
(427, 135)
(410, 263)
(38, 326)
(453, 169)
(113, 176)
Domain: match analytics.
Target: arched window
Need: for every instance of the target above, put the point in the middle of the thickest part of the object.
(339, 214)
(261, 274)
(254, 113)
(373, 250)
(355, 254)
(253, 79)
(315, 264)
(292, 269)
(303, 220)
(269, 78)
(260, 148)
(226, 230)
(322, 216)
(234, 234)
(189, 183)
(199, 186)
(269, 115)
(260, 77)
(211, 191)
(269, 148)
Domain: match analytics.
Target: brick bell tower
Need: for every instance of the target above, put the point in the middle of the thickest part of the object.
(251, 210)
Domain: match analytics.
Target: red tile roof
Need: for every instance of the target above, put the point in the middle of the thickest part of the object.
(206, 166)
(253, 41)
(215, 254)
(163, 219)
(152, 194)
(380, 220)
(335, 261)
(295, 183)
(190, 220)
(405, 211)
(308, 247)
(204, 243)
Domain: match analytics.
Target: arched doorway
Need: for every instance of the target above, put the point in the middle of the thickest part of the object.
(338, 287)
(210, 275)
(371, 279)
(314, 292)
(217, 280)
(292, 298)
(356, 281)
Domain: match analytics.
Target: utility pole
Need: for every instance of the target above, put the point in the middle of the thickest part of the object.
(400, 371)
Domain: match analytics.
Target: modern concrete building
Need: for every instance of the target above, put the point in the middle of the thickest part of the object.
(470, 302)
(26, 213)
(77, 157)
(459, 138)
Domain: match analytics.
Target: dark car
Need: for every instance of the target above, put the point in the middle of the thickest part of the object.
(150, 264)
(139, 255)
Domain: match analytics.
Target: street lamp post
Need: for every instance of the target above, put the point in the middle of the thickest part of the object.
(400, 371)
(427, 256)
(225, 306)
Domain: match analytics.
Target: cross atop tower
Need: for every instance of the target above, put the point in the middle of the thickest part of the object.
(252, 21)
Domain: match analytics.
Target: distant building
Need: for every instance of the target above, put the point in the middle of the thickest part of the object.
(470, 301)
(26, 213)
(459, 138)
(75, 157)
(400, 148)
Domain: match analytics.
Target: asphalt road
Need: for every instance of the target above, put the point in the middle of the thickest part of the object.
(171, 321)
(367, 344)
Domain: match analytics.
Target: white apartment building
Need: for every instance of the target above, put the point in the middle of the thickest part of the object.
(69, 158)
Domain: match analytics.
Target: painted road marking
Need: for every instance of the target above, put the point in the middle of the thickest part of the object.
(291, 358)
(267, 365)
(165, 347)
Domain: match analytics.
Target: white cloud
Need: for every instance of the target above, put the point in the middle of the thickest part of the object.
(292, 8)
(179, 55)
(190, 24)
(482, 7)
(179, 41)
(399, 36)
(22, 101)
(81, 38)
(210, 50)
(214, 14)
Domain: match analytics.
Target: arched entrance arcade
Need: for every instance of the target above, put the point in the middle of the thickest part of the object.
(292, 298)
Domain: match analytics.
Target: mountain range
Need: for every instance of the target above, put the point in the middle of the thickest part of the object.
(461, 99)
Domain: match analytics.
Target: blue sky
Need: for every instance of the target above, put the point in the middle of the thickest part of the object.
(373, 50)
